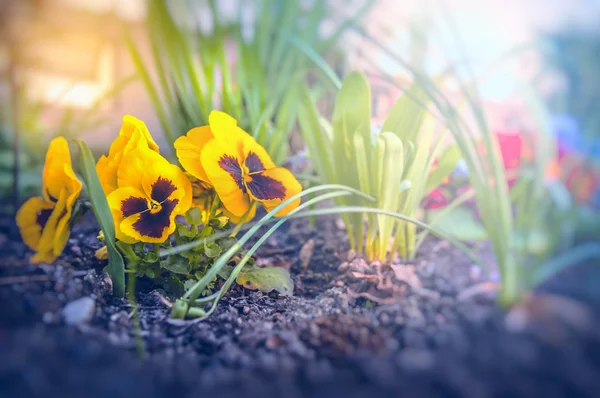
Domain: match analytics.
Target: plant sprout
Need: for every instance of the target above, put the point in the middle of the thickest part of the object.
(397, 165)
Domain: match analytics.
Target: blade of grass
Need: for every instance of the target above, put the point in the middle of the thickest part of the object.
(116, 266)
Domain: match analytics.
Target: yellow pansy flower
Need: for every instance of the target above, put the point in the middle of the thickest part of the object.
(151, 193)
(45, 222)
(240, 170)
(133, 134)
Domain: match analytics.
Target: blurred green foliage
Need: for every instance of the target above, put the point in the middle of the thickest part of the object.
(252, 72)
(399, 166)
(575, 54)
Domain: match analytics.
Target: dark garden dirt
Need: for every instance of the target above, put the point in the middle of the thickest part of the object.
(420, 329)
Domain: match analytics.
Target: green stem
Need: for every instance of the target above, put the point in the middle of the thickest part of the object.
(411, 232)
(128, 252)
(242, 220)
(177, 236)
(400, 240)
(139, 341)
(510, 291)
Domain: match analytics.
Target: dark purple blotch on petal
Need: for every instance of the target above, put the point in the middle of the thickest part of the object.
(43, 216)
(253, 163)
(162, 189)
(153, 224)
(266, 188)
(133, 205)
(231, 166)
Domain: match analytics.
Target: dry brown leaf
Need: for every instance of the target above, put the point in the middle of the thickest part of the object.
(407, 274)
(306, 253)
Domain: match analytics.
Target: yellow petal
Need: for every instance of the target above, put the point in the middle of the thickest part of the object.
(58, 171)
(31, 218)
(107, 172)
(132, 134)
(63, 228)
(135, 164)
(46, 250)
(188, 150)
(237, 219)
(274, 186)
(102, 253)
(224, 170)
(123, 203)
(226, 130)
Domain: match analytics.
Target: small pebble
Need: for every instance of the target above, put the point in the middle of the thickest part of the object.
(79, 311)
(48, 317)
(475, 272)
(245, 310)
(416, 359)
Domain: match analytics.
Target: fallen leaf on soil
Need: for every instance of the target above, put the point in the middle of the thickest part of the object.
(369, 277)
(406, 274)
(360, 265)
(374, 297)
(266, 280)
(549, 314)
(343, 334)
(274, 342)
(481, 289)
(306, 253)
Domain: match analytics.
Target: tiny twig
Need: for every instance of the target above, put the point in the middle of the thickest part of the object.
(9, 280)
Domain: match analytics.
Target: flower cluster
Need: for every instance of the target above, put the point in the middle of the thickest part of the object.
(227, 174)
(45, 222)
(581, 178)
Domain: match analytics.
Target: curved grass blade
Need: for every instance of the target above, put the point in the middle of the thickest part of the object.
(255, 225)
(116, 266)
(317, 59)
(545, 271)
(201, 284)
(435, 231)
(196, 290)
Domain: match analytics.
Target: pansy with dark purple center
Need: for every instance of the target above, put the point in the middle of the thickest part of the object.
(151, 193)
(241, 171)
(45, 222)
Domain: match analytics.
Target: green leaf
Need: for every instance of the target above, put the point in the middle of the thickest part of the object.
(535, 241)
(116, 266)
(187, 285)
(177, 264)
(227, 243)
(225, 271)
(151, 257)
(446, 165)
(407, 114)
(174, 286)
(460, 223)
(194, 216)
(212, 250)
(266, 280)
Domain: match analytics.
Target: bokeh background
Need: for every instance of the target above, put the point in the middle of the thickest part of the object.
(66, 68)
